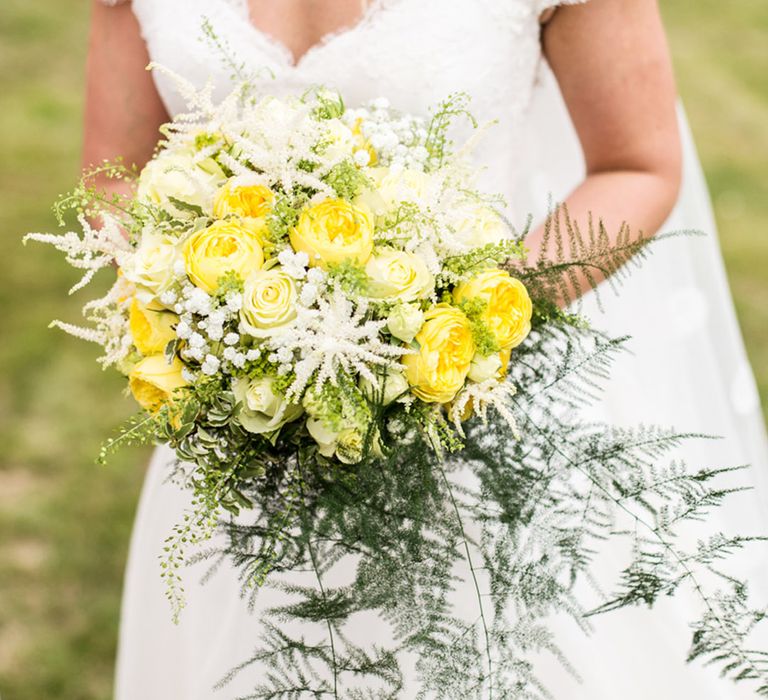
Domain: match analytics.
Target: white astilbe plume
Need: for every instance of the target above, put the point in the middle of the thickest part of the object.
(479, 397)
(335, 338)
(96, 249)
(270, 136)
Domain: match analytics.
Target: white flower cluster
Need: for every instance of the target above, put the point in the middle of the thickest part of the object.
(397, 140)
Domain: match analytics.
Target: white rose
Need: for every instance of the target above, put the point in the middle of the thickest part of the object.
(480, 225)
(349, 446)
(405, 321)
(325, 437)
(152, 266)
(341, 140)
(398, 275)
(269, 302)
(403, 185)
(262, 409)
(388, 388)
(175, 174)
(484, 367)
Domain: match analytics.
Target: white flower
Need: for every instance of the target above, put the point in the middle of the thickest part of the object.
(362, 157)
(183, 330)
(405, 321)
(336, 337)
(316, 276)
(294, 264)
(152, 267)
(211, 365)
(479, 225)
(253, 354)
(262, 409)
(308, 294)
(484, 368)
(176, 175)
(230, 339)
(196, 340)
(388, 388)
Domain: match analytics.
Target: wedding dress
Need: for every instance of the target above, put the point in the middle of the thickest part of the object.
(687, 368)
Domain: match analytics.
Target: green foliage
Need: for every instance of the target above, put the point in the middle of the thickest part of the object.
(437, 142)
(349, 276)
(282, 218)
(461, 267)
(229, 283)
(347, 180)
(330, 104)
(485, 341)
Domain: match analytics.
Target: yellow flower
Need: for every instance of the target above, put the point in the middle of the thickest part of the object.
(153, 381)
(225, 246)
(251, 203)
(151, 330)
(333, 231)
(504, 356)
(439, 369)
(269, 301)
(508, 306)
(395, 275)
(247, 201)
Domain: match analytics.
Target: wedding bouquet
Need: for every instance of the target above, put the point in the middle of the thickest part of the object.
(325, 318)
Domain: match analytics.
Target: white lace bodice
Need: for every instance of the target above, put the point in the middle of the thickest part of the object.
(415, 52)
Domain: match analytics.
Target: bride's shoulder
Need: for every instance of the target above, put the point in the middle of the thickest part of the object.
(112, 3)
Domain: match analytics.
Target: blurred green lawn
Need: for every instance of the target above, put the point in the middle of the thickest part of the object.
(66, 522)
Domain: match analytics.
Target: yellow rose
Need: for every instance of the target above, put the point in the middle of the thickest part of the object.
(153, 381)
(446, 348)
(247, 201)
(397, 275)
(508, 306)
(251, 203)
(269, 301)
(225, 246)
(151, 330)
(333, 231)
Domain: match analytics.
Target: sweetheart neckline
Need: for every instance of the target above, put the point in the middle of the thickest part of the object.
(284, 53)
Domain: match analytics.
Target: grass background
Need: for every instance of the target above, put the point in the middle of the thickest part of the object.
(64, 527)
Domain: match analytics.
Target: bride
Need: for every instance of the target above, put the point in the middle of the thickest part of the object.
(585, 101)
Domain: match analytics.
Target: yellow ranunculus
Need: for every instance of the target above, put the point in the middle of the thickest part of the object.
(153, 381)
(225, 246)
(446, 348)
(395, 275)
(334, 231)
(251, 203)
(269, 301)
(151, 330)
(508, 306)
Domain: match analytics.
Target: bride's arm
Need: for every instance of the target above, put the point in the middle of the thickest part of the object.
(122, 109)
(611, 60)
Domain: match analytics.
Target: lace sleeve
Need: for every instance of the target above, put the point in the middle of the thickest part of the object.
(544, 5)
